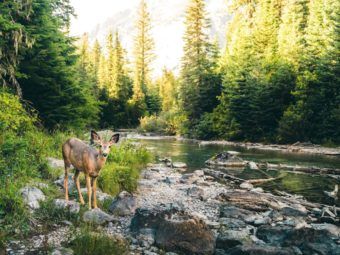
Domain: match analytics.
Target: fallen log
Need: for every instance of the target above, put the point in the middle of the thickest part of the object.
(224, 176)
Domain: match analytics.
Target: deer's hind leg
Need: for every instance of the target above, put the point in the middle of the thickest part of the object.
(67, 168)
(76, 180)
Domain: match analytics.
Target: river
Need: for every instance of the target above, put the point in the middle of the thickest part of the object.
(310, 186)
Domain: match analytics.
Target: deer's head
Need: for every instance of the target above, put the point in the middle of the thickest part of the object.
(104, 146)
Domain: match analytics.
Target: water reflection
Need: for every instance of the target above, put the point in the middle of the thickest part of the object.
(310, 186)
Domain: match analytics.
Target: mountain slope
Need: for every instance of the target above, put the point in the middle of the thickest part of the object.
(168, 28)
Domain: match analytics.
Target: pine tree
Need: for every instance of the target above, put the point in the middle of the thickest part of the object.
(51, 79)
(96, 55)
(102, 75)
(291, 37)
(168, 90)
(143, 54)
(197, 65)
(315, 116)
(13, 38)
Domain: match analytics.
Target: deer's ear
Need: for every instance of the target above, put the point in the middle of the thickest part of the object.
(114, 139)
(95, 138)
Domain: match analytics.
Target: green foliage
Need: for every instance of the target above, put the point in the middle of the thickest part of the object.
(121, 172)
(143, 57)
(50, 80)
(205, 129)
(13, 116)
(50, 214)
(89, 242)
(199, 83)
(256, 101)
(171, 122)
(14, 38)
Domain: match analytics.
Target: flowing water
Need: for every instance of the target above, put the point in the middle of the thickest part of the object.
(312, 187)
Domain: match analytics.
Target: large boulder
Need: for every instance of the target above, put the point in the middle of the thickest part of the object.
(175, 230)
(228, 211)
(262, 250)
(97, 217)
(188, 236)
(308, 240)
(124, 204)
(32, 196)
(229, 238)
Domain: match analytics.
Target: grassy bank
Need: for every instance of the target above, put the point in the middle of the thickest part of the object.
(23, 151)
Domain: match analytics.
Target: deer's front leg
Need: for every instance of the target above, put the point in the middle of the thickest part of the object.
(76, 179)
(89, 189)
(94, 187)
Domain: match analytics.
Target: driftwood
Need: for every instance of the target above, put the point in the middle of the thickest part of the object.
(260, 181)
(303, 169)
(223, 176)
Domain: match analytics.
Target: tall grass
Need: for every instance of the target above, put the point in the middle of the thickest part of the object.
(122, 170)
(89, 242)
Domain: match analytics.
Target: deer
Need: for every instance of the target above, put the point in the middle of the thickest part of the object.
(87, 159)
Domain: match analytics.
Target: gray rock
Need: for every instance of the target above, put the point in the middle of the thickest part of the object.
(143, 183)
(246, 185)
(32, 196)
(97, 216)
(55, 163)
(330, 228)
(309, 240)
(72, 206)
(171, 180)
(196, 192)
(125, 204)
(199, 173)
(188, 178)
(262, 221)
(62, 251)
(172, 226)
(237, 213)
(199, 239)
(146, 237)
(101, 196)
(179, 165)
(229, 238)
(232, 223)
(60, 182)
(261, 250)
(297, 210)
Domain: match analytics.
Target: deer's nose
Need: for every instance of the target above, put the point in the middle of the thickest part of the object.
(105, 155)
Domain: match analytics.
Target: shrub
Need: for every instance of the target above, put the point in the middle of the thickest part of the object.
(13, 116)
(123, 167)
(205, 128)
(172, 122)
(88, 242)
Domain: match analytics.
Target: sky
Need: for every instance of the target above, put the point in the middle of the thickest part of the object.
(98, 17)
(92, 12)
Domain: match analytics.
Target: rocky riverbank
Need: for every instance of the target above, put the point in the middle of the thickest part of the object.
(303, 148)
(175, 212)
